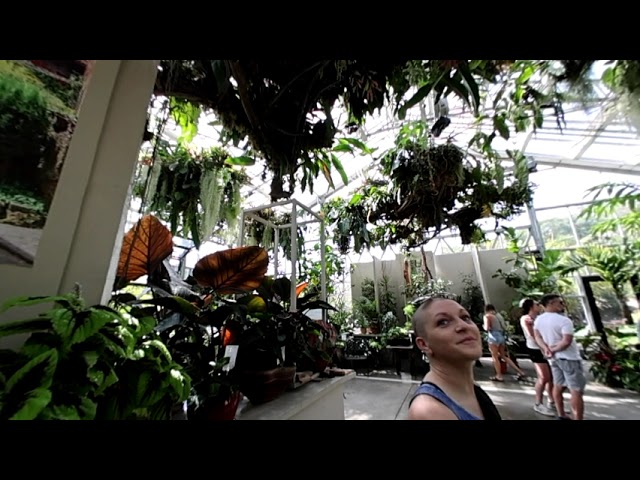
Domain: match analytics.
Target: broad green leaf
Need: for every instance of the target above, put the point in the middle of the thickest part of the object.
(608, 77)
(342, 147)
(88, 408)
(161, 347)
(180, 383)
(254, 303)
(525, 75)
(422, 92)
(91, 357)
(147, 324)
(186, 115)
(118, 344)
(37, 373)
(175, 304)
(142, 388)
(461, 90)
(500, 124)
(355, 199)
(77, 328)
(35, 401)
(319, 304)
(40, 342)
(24, 326)
(471, 84)
(242, 161)
(338, 166)
(25, 301)
(63, 412)
(357, 143)
(96, 376)
(109, 380)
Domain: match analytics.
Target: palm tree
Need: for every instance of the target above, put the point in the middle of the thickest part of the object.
(616, 265)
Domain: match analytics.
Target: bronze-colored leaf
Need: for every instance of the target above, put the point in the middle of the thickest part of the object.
(300, 288)
(234, 270)
(144, 248)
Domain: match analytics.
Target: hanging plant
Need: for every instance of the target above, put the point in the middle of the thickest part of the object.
(260, 234)
(197, 193)
(431, 188)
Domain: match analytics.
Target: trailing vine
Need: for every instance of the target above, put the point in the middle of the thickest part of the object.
(197, 193)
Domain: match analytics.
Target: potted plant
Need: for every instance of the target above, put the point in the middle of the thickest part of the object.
(274, 337)
(87, 363)
(192, 317)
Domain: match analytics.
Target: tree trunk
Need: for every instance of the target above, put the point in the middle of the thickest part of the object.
(626, 311)
(635, 283)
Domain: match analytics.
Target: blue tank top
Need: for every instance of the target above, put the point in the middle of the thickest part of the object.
(489, 410)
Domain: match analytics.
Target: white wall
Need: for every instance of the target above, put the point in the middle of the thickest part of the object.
(498, 293)
(452, 267)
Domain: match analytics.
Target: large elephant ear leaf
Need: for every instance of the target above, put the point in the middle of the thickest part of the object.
(235, 270)
(144, 248)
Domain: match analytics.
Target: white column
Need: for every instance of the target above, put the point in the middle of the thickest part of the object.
(83, 232)
(98, 235)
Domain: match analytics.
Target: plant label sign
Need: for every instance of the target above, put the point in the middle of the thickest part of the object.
(231, 351)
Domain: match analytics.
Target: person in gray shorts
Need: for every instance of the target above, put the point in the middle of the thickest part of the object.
(555, 334)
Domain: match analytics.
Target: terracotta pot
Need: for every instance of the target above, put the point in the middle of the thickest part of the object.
(220, 408)
(262, 386)
(503, 366)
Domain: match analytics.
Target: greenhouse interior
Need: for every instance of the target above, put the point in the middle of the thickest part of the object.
(252, 240)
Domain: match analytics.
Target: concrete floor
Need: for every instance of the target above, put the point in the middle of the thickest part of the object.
(384, 396)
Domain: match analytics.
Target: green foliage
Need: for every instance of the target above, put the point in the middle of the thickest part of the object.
(311, 270)
(284, 108)
(622, 197)
(423, 190)
(56, 97)
(472, 299)
(23, 110)
(19, 195)
(86, 363)
(198, 193)
(615, 363)
(533, 276)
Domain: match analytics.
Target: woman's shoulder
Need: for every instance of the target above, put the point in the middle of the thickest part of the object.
(426, 407)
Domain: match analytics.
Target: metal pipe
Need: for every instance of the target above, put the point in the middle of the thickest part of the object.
(294, 255)
(270, 205)
(275, 252)
(323, 270)
(241, 239)
(261, 220)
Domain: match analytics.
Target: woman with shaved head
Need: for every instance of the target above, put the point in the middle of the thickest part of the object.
(447, 334)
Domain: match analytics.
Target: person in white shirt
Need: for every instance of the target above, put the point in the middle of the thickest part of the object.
(554, 334)
(530, 310)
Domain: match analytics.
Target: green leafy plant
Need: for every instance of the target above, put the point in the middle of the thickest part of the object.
(192, 318)
(86, 363)
(531, 275)
(615, 362)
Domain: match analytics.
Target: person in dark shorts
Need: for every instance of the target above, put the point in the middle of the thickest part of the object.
(447, 334)
(530, 310)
